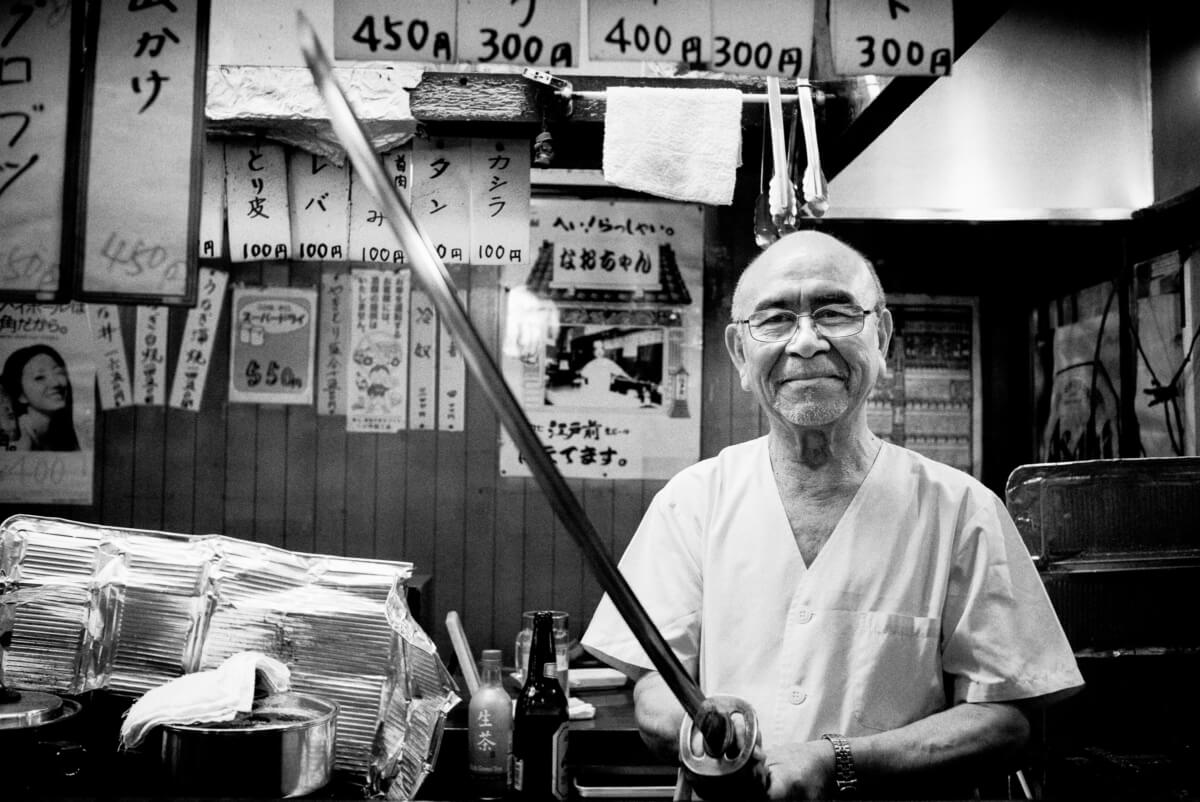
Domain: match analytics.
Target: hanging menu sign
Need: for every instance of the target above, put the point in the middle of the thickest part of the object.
(763, 37)
(441, 188)
(256, 188)
(371, 236)
(191, 369)
(451, 381)
(526, 32)
(212, 202)
(320, 196)
(422, 363)
(141, 206)
(36, 43)
(634, 30)
(333, 344)
(150, 356)
(112, 367)
(915, 37)
(417, 30)
(499, 201)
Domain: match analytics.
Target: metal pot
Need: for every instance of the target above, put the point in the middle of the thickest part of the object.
(40, 747)
(283, 748)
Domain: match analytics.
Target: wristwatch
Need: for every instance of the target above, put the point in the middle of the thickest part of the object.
(843, 765)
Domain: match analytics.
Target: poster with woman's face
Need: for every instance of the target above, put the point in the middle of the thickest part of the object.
(47, 409)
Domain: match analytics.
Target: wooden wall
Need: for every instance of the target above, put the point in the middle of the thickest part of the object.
(284, 476)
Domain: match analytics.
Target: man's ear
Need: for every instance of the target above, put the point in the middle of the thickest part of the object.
(884, 331)
(735, 346)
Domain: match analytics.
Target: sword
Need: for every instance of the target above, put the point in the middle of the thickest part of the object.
(435, 280)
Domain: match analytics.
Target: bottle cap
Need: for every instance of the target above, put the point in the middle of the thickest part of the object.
(491, 654)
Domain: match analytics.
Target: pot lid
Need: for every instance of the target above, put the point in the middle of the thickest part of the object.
(30, 709)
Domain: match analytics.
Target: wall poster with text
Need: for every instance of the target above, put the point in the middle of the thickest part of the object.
(47, 404)
(272, 345)
(603, 335)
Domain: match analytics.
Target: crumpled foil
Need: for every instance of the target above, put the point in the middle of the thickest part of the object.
(94, 607)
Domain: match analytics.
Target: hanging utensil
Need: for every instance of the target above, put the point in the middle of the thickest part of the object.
(816, 192)
(764, 227)
(782, 193)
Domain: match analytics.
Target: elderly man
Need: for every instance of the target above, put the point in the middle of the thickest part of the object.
(878, 610)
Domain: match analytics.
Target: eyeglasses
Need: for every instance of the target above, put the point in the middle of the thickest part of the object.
(836, 320)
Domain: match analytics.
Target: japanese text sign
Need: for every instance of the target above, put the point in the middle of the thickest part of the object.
(524, 32)
(35, 70)
(636, 30)
(441, 189)
(212, 202)
(889, 37)
(47, 412)
(150, 356)
(144, 150)
(372, 239)
(257, 193)
(112, 366)
(377, 371)
(191, 369)
(499, 201)
(417, 30)
(333, 344)
(422, 362)
(596, 248)
(320, 197)
(763, 37)
(272, 337)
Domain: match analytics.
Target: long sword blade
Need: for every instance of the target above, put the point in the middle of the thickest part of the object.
(436, 281)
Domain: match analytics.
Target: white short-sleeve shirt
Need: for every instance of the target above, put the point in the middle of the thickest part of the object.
(924, 575)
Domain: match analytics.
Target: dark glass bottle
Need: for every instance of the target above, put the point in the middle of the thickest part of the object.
(539, 749)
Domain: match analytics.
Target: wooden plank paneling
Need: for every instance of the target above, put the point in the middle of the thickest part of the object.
(361, 472)
(598, 499)
(271, 470)
(471, 516)
(241, 434)
(149, 438)
(538, 530)
(568, 566)
(330, 512)
(508, 592)
(394, 480)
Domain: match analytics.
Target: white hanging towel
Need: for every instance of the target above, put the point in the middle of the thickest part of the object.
(683, 144)
(205, 696)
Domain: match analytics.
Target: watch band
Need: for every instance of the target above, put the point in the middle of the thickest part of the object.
(843, 764)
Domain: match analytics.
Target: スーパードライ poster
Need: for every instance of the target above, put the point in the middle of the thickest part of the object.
(47, 404)
(602, 337)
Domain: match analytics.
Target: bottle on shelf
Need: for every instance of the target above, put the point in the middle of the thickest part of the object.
(489, 731)
(539, 751)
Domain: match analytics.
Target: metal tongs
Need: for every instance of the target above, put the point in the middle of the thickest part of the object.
(432, 276)
(778, 207)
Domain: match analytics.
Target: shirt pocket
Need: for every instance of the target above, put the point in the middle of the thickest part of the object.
(896, 670)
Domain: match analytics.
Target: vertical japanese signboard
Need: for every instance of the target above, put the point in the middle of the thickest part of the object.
(499, 201)
(150, 357)
(256, 187)
(191, 370)
(603, 335)
(440, 195)
(320, 196)
(377, 371)
(112, 365)
(47, 414)
(272, 336)
(143, 159)
(39, 103)
(333, 344)
(371, 237)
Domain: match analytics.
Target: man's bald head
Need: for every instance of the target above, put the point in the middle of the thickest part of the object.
(803, 246)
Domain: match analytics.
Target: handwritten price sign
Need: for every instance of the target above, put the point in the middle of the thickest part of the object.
(763, 37)
(889, 37)
(633, 30)
(397, 31)
(519, 32)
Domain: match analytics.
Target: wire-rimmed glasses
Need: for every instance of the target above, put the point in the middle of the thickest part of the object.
(834, 320)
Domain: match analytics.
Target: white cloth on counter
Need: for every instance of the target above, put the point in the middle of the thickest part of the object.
(579, 710)
(218, 694)
(683, 144)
